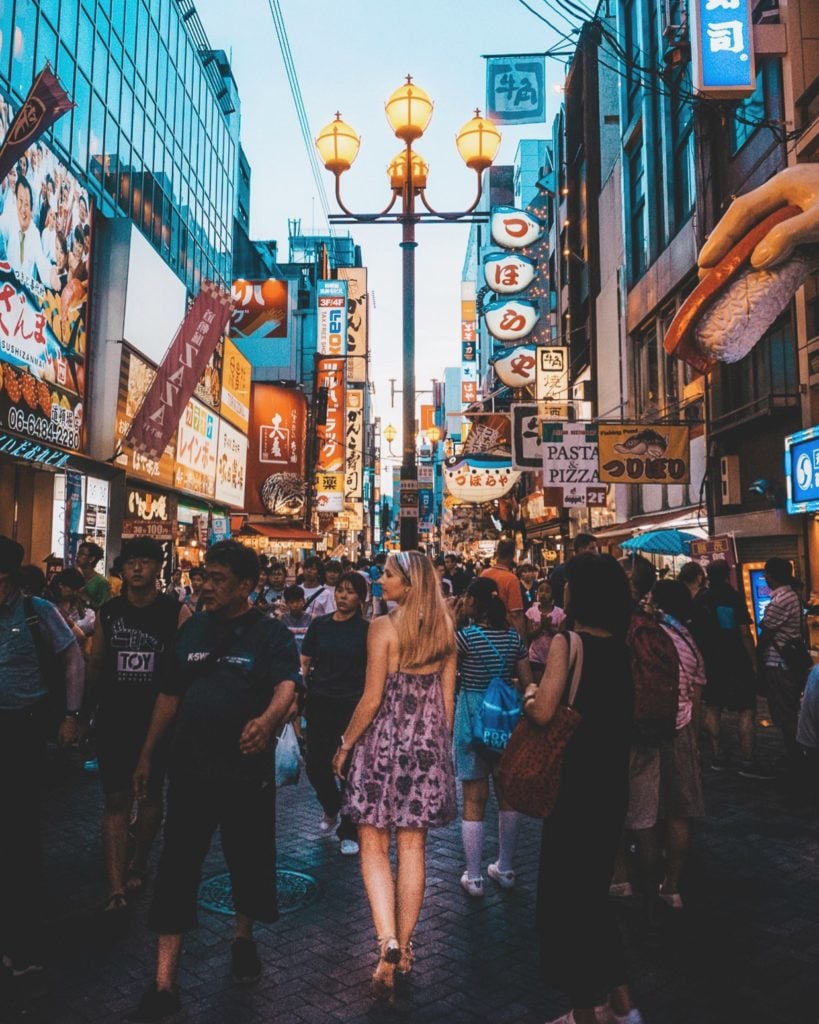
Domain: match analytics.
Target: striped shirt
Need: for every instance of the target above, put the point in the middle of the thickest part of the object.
(692, 667)
(478, 662)
(783, 620)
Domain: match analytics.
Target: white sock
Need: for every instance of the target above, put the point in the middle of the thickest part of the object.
(508, 824)
(472, 835)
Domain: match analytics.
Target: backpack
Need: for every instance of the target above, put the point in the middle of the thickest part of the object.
(655, 672)
(499, 711)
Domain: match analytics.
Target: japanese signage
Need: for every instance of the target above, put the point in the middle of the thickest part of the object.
(516, 367)
(516, 89)
(510, 319)
(209, 386)
(332, 317)
(259, 309)
(802, 471)
(513, 228)
(469, 351)
(722, 48)
(196, 446)
(357, 322)
(631, 453)
(526, 437)
(183, 365)
(46, 102)
(508, 272)
(721, 548)
(409, 499)
(552, 373)
(276, 451)
(330, 375)
(149, 515)
(231, 463)
(469, 391)
(329, 492)
(235, 405)
(44, 264)
(570, 463)
(354, 439)
(478, 478)
(135, 378)
(490, 433)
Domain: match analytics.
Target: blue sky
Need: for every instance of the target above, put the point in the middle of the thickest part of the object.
(349, 57)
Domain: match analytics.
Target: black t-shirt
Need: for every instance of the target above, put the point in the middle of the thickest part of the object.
(339, 653)
(138, 655)
(221, 694)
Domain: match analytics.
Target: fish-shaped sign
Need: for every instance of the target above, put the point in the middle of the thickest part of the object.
(513, 228)
(508, 272)
(511, 319)
(516, 367)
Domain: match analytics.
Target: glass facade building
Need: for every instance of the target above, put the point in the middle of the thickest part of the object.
(151, 129)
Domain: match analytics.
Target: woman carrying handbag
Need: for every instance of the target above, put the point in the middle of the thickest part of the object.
(582, 950)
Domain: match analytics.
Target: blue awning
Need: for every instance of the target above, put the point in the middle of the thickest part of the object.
(660, 542)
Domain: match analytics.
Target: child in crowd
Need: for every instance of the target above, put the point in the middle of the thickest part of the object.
(296, 618)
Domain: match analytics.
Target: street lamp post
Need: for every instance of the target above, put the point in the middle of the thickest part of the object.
(408, 111)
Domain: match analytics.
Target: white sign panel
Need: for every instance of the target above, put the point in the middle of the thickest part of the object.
(332, 318)
(354, 436)
(511, 319)
(570, 457)
(515, 367)
(552, 373)
(526, 437)
(195, 468)
(508, 272)
(231, 466)
(513, 228)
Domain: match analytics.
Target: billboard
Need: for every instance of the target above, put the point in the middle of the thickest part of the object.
(357, 322)
(632, 453)
(235, 404)
(231, 466)
(722, 48)
(135, 378)
(260, 309)
(330, 375)
(802, 471)
(276, 451)
(209, 386)
(354, 441)
(331, 297)
(45, 244)
(196, 445)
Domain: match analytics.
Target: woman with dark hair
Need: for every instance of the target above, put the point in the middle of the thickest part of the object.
(66, 589)
(333, 666)
(487, 647)
(582, 949)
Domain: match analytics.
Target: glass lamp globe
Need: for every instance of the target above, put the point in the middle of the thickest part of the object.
(397, 171)
(478, 142)
(409, 110)
(338, 146)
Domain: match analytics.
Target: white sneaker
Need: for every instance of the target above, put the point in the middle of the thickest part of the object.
(326, 823)
(349, 847)
(505, 879)
(474, 886)
(605, 1015)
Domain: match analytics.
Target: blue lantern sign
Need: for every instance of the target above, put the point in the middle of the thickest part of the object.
(802, 471)
(722, 48)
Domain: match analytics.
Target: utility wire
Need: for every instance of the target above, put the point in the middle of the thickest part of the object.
(301, 113)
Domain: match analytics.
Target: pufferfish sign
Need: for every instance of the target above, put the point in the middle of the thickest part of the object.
(764, 249)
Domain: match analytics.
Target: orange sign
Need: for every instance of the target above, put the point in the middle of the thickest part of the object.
(330, 375)
(235, 387)
(260, 309)
(276, 447)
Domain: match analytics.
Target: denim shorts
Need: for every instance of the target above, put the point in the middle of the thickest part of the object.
(469, 764)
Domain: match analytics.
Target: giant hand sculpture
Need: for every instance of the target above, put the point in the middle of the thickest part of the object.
(763, 249)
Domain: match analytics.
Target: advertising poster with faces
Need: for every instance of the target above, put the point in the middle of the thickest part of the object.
(45, 244)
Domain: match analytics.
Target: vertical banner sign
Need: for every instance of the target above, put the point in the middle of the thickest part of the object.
(516, 88)
(46, 103)
(276, 451)
(196, 446)
(631, 453)
(332, 318)
(235, 405)
(330, 464)
(722, 48)
(526, 437)
(409, 499)
(73, 516)
(354, 438)
(552, 373)
(357, 322)
(183, 365)
(231, 466)
(135, 379)
(469, 334)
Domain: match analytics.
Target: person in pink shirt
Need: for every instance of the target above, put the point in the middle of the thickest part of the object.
(543, 620)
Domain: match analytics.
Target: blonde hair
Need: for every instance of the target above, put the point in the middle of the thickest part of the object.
(423, 621)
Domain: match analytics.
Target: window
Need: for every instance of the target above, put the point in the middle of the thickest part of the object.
(647, 374)
(23, 47)
(632, 48)
(68, 24)
(46, 45)
(637, 242)
(749, 113)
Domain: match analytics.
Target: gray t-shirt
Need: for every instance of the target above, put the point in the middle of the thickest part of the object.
(21, 683)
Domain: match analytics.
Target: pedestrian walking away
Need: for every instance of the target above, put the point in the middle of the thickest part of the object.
(398, 742)
(333, 665)
(234, 683)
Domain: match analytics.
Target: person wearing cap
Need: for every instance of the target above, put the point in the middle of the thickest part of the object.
(30, 629)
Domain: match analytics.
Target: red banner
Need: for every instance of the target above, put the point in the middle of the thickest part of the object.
(276, 451)
(46, 102)
(183, 365)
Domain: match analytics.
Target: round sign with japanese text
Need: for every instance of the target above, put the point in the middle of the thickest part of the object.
(516, 367)
(510, 319)
(513, 228)
(508, 272)
(477, 478)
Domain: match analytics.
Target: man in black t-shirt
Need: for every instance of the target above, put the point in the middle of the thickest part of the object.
(234, 683)
(130, 661)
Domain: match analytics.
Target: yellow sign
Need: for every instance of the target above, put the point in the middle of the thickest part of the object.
(633, 453)
(235, 387)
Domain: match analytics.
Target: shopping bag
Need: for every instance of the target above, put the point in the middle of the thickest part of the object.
(288, 762)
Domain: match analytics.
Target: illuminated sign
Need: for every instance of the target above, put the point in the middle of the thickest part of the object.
(332, 318)
(722, 48)
(802, 471)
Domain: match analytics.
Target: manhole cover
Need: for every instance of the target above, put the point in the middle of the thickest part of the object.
(295, 890)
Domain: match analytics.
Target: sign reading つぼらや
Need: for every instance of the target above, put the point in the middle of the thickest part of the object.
(633, 453)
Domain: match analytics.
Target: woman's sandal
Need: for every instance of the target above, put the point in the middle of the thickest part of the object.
(135, 880)
(116, 904)
(403, 969)
(389, 954)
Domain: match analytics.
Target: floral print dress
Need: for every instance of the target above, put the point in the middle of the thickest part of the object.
(401, 773)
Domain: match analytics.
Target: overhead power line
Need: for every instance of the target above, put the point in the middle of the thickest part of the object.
(301, 113)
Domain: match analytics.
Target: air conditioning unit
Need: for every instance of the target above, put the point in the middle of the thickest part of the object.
(731, 489)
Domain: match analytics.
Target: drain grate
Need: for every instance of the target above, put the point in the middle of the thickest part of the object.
(295, 891)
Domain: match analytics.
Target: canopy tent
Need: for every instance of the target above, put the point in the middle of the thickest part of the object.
(660, 542)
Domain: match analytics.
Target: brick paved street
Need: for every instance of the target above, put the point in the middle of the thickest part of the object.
(746, 949)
